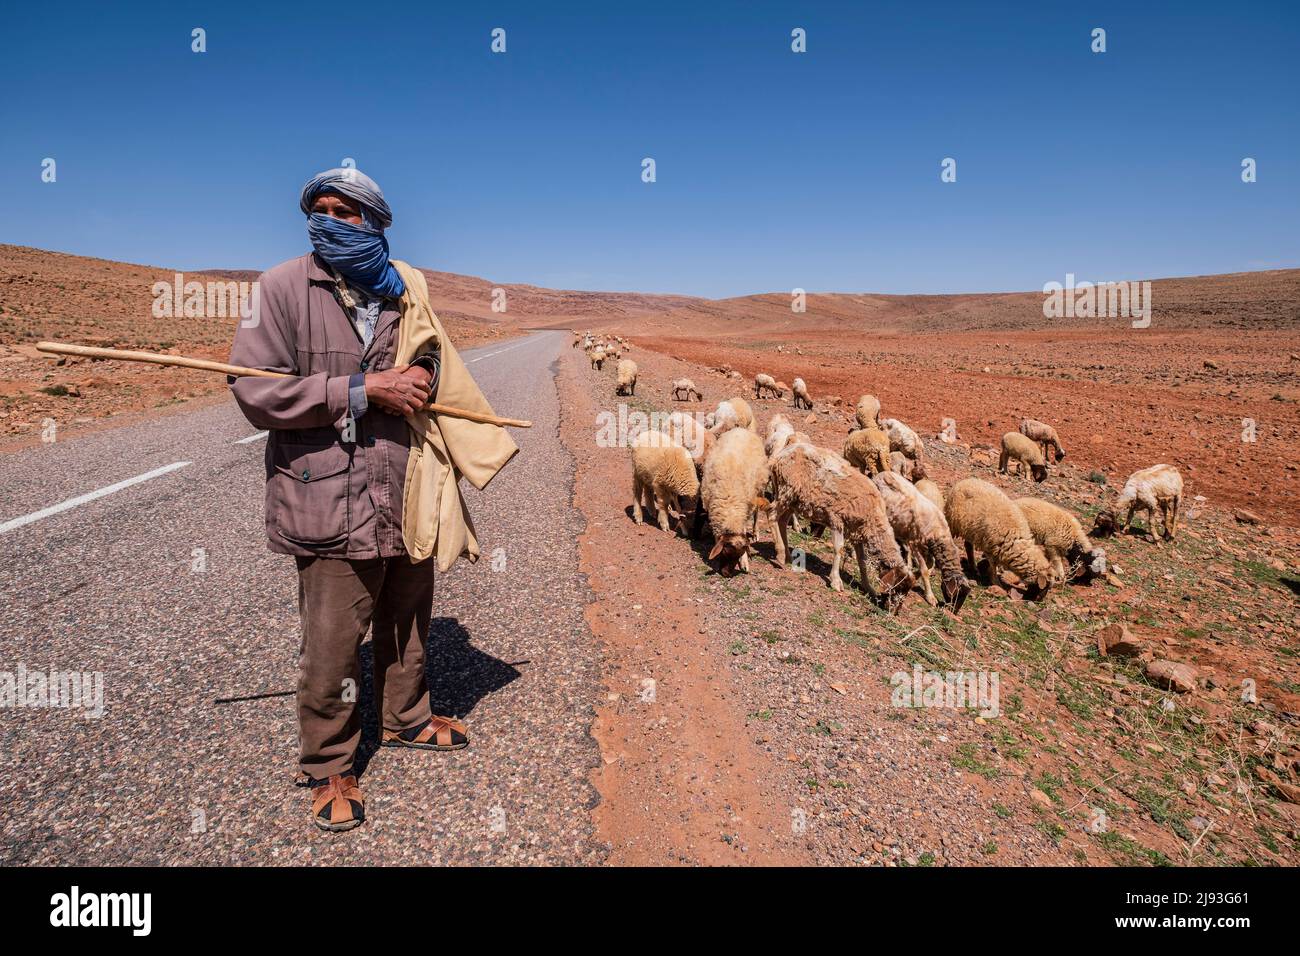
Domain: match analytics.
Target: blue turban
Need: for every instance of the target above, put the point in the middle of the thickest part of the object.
(358, 253)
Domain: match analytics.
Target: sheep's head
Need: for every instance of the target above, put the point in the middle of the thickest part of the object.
(895, 583)
(1036, 589)
(955, 592)
(1103, 525)
(728, 551)
(1039, 472)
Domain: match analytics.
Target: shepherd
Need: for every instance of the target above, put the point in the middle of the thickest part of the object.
(362, 484)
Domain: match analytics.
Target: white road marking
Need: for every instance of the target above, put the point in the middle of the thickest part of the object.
(89, 496)
(251, 438)
(499, 351)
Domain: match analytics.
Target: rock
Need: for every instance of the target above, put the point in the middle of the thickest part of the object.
(1116, 639)
(1172, 675)
(1246, 517)
(1210, 365)
(812, 420)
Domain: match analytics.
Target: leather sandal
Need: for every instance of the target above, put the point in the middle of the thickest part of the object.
(337, 803)
(436, 733)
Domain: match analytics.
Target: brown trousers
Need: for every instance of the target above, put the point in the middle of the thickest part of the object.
(338, 600)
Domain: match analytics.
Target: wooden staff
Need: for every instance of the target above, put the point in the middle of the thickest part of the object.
(182, 361)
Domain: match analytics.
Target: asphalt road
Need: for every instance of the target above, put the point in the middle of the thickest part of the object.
(166, 589)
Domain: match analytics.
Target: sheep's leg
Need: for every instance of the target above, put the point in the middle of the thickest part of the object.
(924, 565)
(780, 540)
(661, 505)
(837, 539)
(1128, 519)
(1058, 568)
(1002, 462)
(1177, 502)
(636, 499)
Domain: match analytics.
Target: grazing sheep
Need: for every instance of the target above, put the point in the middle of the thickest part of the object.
(597, 358)
(779, 431)
(921, 526)
(663, 478)
(766, 383)
(1160, 486)
(868, 412)
(1044, 434)
(1025, 453)
(731, 413)
(904, 439)
(986, 520)
(822, 487)
(927, 486)
(735, 475)
(1061, 537)
(900, 464)
(690, 434)
(801, 399)
(626, 378)
(867, 449)
(687, 386)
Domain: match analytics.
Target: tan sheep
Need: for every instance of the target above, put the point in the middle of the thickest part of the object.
(867, 449)
(868, 412)
(1158, 487)
(687, 386)
(626, 378)
(766, 383)
(663, 478)
(687, 431)
(927, 486)
(822, 487)
(1025, 453)
(903, 438)
(779, 431)
(900, 464)
(921, 526)
(801, 399)
(1044, 434)
(735, 476)
(987, 521)
(731, 413)
(1061, 537)
(597, 357)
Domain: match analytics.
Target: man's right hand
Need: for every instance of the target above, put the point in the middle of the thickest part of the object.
(395, 392)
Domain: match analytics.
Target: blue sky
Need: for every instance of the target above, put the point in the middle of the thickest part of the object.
(775, 170)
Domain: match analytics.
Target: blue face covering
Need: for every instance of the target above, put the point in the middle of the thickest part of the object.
(358, 253)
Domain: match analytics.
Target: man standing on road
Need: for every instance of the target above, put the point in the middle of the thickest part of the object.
(361, 483)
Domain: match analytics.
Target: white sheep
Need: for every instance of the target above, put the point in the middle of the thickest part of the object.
(900, 464)
(801, 399)
(627, 371)
(1061, 537)
(868, 412)
(735, 476)
(663, 478)
(730, 413)
(766, 383)
(1025, 453)
(824, 488)
(687, 386)
(987, 521)
(921, 526)
(597, 357)
(687, 431)
(1158, 487)
(1044, 434)
(779, 431)
(903, 438)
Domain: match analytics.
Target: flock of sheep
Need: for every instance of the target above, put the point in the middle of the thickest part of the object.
(875, 495)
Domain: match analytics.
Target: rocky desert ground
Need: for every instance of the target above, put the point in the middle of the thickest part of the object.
(749, 719)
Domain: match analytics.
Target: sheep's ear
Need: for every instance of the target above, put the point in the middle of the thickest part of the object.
(762, 504)
(717, 550)
(1042, 581)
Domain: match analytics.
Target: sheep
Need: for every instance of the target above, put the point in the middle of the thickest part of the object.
(766, 383)
(822, 487)
(902, 438)
(664, 478)
(690, 434)
(920, 525)
(731, 413)
(1160, 486)
(735, 474)
(927, 486)
(779, 430)
(1025, 452)
(597, 358)
(1061, 537)
(900, 464)
(1044, 434)
(687, 386)
(985, 519)
(626, 378)
(801, 399)
(867, 449)
(868, 412)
